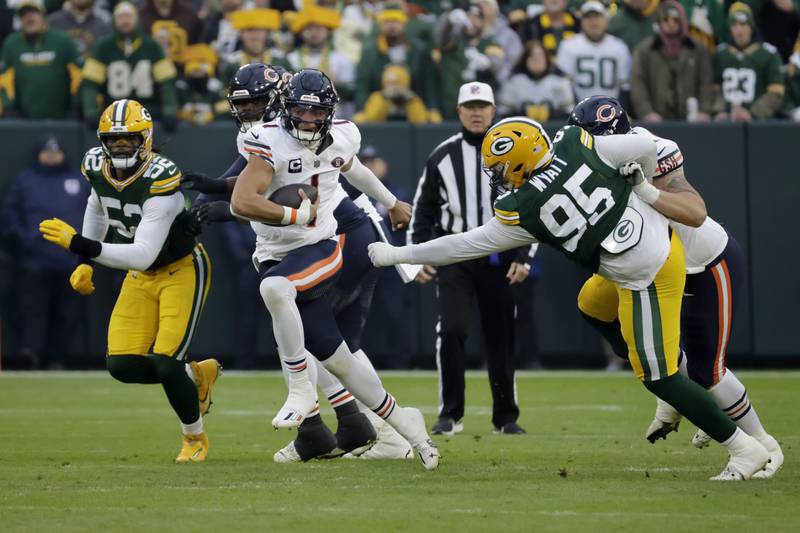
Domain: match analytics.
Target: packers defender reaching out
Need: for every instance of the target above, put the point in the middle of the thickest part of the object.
(136, 194)
(573, 194)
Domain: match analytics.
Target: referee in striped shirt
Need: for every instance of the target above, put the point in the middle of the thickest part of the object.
(454, 196)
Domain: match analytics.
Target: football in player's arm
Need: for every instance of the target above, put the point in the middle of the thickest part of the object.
(136, 194)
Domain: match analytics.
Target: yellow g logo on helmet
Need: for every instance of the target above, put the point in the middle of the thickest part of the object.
(512, 149)
(126, 117)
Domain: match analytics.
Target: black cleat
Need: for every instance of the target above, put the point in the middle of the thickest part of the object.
(512, 428)
(447, 426)
(314, 439)
(355, 433)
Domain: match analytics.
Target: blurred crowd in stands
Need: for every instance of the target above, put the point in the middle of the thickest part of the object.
(695, 60)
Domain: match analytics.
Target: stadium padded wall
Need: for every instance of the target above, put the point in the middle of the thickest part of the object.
(745, 172)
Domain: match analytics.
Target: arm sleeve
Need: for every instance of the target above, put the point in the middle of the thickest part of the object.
(234, 170)
(95, 223)
(151, 234)
(426, 206)
(365, 181)
(490, 238)
(618, 150)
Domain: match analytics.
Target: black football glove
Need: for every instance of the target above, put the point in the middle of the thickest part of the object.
(215, 212)
(197, 181)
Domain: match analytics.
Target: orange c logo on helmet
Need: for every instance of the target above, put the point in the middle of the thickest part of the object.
(605, 113)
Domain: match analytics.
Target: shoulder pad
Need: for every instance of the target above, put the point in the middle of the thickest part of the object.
(769, 48)
(92, 162)
(164, 176)
(506, 210)
(669, 156)
(348, 132)
(257, 142)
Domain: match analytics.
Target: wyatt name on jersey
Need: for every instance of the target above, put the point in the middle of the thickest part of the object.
(543, 179)
(294, 163)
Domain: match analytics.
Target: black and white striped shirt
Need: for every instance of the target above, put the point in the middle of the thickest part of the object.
(453, 194)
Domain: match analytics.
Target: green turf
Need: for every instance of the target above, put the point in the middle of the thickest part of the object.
(81, 452)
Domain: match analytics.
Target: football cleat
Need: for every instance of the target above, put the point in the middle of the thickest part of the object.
(775, 458)
(701, 439)
(194, 449)
(428, 454)
(354, 434)
(447, 426)
(666, 421)
(287, 454)
(748, 456)
(314, 440)
(389, 445)
(205, 373)
(302, 400)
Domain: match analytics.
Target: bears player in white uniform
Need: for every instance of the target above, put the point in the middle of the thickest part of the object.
(714, 276)
(255, 98)
(299, 256)
(604, 223)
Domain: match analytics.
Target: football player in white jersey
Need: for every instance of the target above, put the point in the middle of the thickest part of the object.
(715, 274)
(299, 255)
(614, 227)
(254, 97)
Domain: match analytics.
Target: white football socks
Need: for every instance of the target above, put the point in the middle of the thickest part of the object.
(731, 396)
(357, 377)
(287, 326)
(195, 428)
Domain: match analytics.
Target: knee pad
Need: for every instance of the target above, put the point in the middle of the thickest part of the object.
(598, 299)
(276, 290)
(341, 360)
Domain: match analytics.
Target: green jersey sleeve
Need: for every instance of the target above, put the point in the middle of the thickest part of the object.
(506, 209)
(164, 176)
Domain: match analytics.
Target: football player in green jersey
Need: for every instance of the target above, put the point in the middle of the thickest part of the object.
(748, 79)
(587, 197)
(136, 194)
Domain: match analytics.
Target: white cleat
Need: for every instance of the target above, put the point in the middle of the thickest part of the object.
(665, 422)
(389, 445)
(775, 458)
(287, 454)
(410, 423)
(701, 439)
(748, 456)
(302, 400)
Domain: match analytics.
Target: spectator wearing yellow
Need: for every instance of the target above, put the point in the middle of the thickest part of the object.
(172, 23)
(40, 76)
(395, 101)
(394, 46)
(551, 24)
(201, 96)
(255, 27)
(313, 25)
(128, 64)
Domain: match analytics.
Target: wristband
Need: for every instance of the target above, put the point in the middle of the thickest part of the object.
(647, 192)
(299, 216)
(84, 247)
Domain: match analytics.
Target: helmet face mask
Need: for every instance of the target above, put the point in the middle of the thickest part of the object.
(126, 134)
(512, 150)
(309, 106)
(254, 94)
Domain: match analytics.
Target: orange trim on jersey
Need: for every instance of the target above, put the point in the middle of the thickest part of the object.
(724, 307)
(322, 264)
(258, 152)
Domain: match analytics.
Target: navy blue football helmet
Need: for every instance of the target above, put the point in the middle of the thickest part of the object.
(254, 94)
(309, 106)
(600, 115)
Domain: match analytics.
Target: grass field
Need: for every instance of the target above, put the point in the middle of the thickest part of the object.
(81, 452)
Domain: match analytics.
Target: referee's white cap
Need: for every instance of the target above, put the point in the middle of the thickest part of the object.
(475, 91)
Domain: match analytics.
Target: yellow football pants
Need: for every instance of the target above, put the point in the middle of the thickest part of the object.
(157, 311)
(650, 318)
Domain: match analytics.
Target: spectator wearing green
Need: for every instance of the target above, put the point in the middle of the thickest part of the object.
(82, 22)
(201, 96)
(255, 27)
(465, 54)
(748, 79)
(671, 72)
(40, 75)
(634, 21)
(128, 64)
(392, 46)
(707, 21)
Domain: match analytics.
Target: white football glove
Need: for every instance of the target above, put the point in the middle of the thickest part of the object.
(643, 188)
(382, 254)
